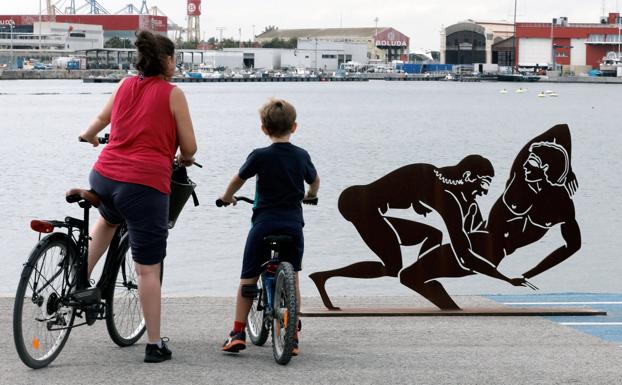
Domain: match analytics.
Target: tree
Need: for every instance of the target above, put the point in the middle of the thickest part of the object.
(280, 43)
(270, 28)
(117, 42)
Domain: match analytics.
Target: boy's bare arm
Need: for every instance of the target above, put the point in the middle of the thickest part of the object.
(234, 186)
(313, 188)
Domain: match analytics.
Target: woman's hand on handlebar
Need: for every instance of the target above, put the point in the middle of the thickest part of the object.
(84, 137)
(185, 162)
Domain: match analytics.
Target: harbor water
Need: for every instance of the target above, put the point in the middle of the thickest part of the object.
(355, 133)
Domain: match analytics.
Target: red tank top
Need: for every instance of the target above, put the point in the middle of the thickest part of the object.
(143, 135)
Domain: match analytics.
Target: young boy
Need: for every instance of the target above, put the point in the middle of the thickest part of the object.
(281, 170)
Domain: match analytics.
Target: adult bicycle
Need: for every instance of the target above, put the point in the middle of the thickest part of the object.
(54, 294)
(275, 306)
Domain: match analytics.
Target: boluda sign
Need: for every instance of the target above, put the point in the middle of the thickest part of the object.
(10, 22)
(391, 38)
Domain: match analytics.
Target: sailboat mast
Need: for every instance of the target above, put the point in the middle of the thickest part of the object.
(514, 40)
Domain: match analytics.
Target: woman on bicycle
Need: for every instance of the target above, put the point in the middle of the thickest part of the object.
(149, 120)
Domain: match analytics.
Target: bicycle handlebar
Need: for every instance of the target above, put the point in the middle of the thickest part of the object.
(101, 139)
(221, 203)
(106, 138)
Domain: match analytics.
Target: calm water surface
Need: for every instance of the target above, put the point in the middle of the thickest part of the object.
(356, 133)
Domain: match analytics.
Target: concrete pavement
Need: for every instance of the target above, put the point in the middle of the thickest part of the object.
(368, 350)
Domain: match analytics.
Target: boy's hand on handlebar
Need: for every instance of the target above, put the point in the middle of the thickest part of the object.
(90, 139)
(310, 199)
(228, 200)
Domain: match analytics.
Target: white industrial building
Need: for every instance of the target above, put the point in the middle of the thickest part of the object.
(72, 37)
(311, 54)
(211, 59)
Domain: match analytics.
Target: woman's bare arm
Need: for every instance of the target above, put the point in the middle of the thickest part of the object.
(185, 131)
(101, 120)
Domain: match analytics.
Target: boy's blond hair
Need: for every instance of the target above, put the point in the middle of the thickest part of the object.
(277, 117)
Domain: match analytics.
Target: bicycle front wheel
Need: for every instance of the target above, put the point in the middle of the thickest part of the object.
(284, 321)
(258, 329)
(124, 315)
(41, 320)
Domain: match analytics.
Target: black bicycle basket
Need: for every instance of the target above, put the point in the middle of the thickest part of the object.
(181, 189)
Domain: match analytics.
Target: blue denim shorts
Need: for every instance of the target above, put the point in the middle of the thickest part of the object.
(144, 210)
(257, 252)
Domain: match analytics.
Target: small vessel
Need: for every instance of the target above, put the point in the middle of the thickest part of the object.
(611, 65)
(550, 93)
(521, 90)
(542, 94)
(503, 91)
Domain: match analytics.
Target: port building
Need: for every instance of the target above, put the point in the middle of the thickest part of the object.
(471, 42)
(121, 26)
(552, 45)
(382, 43)
(561, 43)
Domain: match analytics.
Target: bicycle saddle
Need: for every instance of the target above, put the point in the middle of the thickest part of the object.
(278, 239)
(76, 194)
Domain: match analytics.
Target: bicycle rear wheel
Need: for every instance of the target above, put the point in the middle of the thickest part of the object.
(258, 329)
(124, 315)
(41, 321)
(284, 322)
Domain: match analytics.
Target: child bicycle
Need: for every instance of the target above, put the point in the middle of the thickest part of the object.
(274, 298)
(54, 287)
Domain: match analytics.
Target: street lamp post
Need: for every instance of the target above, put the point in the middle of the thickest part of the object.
(11, 37)
(40, 25)
(376, 37)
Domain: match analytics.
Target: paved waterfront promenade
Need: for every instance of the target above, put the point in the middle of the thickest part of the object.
(396, 350)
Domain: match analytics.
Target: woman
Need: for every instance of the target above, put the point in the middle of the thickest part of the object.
(149, 120)
(537, 198)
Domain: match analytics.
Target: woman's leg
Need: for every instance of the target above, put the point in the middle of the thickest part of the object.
(101, 235)
(149, 295)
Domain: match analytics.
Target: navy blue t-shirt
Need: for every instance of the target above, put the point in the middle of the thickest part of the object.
(281, 171)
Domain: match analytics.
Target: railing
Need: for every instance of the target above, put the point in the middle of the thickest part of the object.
(569, 25)
(606, 39)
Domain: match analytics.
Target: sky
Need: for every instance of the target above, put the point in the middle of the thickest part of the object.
(420, 20)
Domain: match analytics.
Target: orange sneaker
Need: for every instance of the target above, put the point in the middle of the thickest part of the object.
(235, 342)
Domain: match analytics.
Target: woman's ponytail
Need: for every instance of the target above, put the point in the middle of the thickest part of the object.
(153, 50)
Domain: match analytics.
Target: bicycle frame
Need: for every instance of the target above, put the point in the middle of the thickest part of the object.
(268, 280)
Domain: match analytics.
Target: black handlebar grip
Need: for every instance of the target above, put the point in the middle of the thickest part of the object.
(312, 201)
(221, 203)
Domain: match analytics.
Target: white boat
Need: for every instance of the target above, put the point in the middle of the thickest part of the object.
(503, 91)
(542, 94)
(521, 90)
(611, 65)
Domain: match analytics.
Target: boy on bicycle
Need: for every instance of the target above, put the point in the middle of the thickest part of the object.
(281, 170)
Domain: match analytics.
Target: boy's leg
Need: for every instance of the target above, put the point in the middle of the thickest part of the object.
(243, 304)
(237, 337)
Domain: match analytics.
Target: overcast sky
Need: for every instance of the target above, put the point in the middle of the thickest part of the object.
(420, 20)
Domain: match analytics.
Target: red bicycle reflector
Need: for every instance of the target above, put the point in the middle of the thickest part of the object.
(41, 226)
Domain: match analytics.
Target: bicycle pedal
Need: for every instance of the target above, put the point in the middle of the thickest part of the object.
(94, 312)
(87, 296)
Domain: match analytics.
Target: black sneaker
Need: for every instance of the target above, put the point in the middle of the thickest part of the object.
(155, 354)
(235, 342)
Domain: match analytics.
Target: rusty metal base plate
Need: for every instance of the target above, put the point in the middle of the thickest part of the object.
(434, 312)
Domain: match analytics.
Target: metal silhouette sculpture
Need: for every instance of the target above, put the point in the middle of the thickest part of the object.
(537, 197)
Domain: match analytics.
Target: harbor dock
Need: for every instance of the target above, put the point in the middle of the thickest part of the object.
(368, 350)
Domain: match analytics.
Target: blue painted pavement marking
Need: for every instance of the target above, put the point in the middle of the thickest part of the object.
(608, 328)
